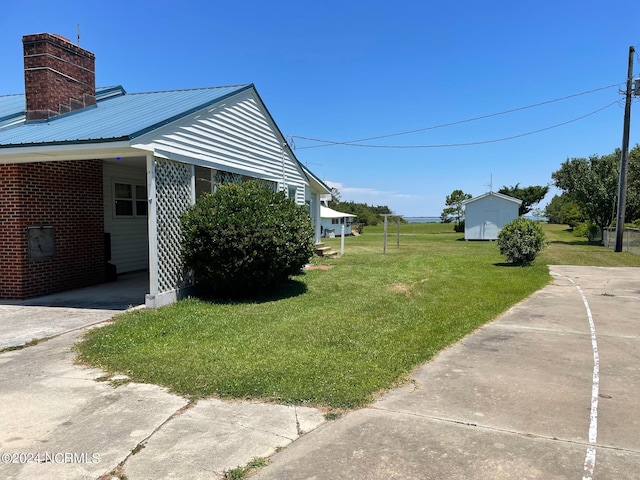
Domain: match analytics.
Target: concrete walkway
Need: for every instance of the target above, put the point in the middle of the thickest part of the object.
(517, 399)
(61, 420)
(520, 398)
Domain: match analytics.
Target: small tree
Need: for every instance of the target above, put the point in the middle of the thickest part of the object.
(529, 195)
(245, 239)
(454, 207)
(521, 240)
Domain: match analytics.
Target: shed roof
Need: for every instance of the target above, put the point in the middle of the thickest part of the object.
(116, 116)
(493, 194)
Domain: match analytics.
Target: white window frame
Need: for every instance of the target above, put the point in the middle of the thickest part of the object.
(134, 199)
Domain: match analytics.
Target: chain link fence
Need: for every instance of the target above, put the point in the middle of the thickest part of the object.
(630, 239)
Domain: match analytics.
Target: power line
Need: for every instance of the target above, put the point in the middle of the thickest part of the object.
(482, 142)
(328, 143)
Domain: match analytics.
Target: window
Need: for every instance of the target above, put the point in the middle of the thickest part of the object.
(124, 199)
(130, 200)
(141, 200)
(291, 192)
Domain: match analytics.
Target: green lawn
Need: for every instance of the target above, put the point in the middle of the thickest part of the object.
(334, 338)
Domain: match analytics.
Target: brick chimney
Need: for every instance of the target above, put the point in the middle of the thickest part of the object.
(59, 76)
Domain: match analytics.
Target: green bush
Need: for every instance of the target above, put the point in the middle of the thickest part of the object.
(521, 240)
(459, 227)
(245, 240)
(588, 230)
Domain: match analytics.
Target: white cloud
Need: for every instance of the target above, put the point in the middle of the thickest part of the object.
(331, 184)
(362, 191)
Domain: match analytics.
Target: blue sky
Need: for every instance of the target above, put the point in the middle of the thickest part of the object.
(346, 70)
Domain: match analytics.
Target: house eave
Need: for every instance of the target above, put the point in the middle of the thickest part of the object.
(67, 151)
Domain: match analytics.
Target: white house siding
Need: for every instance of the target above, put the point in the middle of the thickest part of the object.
(238, 136)
(129, 239)
(327, 224)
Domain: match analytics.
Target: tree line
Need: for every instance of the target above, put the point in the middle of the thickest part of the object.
(365, 214)
(590, 190)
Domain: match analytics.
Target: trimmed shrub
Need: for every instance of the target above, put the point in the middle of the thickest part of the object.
(459, 227)
(586, 229)
(244, 240)
(521, 240)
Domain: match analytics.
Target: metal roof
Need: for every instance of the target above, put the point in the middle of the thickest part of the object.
(326, 212)
(11, 108)
(116, 116)
(493, 194)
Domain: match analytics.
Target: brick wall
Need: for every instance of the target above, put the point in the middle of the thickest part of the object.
(59, 76)
(66, 195)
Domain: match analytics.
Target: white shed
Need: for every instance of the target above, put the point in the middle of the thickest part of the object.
(332, 221)
(487, 214)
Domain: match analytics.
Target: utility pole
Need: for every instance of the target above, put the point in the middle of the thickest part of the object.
(622, 183)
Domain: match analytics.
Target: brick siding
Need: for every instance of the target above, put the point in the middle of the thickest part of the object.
(66, 195)
(59, 76)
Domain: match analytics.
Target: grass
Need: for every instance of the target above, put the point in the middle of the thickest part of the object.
(334, 338)
(565, 249)
(240, 473)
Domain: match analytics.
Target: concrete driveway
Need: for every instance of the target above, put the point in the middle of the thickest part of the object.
(548, 391)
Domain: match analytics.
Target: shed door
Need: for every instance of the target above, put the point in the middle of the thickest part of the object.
(490, 227)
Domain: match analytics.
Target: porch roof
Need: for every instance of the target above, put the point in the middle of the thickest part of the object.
(116, 116)
(326, 212)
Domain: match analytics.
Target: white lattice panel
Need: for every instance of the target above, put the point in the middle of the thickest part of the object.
(173, 197)
(226, 178)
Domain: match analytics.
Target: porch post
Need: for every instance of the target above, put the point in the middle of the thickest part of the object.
(153, 229)
(315, 215)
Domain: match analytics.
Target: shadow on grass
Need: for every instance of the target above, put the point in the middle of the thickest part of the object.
(289, 289)
(576, 242)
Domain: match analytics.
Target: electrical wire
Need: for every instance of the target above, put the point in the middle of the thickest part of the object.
(482, 142)
(328, 143)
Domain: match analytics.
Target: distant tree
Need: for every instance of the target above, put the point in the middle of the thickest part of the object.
(454, 208)
(335, 196)
(633, 186)
(593, 184)
(537, 213)
(563, 210)
(365, 214)
(529, 195)
(381, 210)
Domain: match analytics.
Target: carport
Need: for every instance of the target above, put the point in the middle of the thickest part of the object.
(21, 321)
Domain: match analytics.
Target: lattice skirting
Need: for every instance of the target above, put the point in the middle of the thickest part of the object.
(173, 197)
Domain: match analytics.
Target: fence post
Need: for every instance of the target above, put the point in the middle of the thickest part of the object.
(384, 248)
